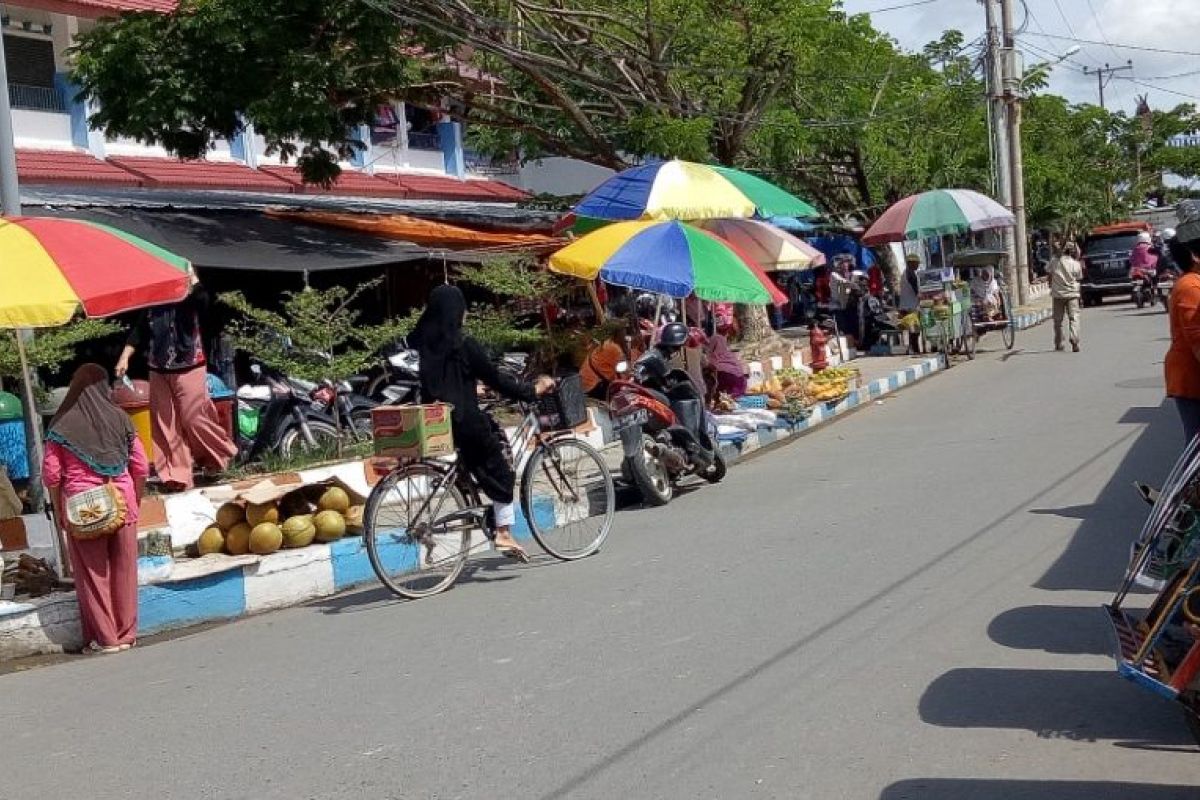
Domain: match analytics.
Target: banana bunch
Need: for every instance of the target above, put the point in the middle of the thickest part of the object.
(841, 375)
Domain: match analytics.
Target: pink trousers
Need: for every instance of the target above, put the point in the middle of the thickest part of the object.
(106, 585)
(186, 428)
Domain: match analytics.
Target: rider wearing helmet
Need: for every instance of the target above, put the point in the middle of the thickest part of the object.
(1143, 261)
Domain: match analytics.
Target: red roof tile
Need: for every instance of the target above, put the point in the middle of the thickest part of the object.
(350, 182)
(100, 8)
(169, 173)
(433, 187)
(69, 166)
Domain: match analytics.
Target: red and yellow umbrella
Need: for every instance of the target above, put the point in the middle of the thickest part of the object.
(50, 268)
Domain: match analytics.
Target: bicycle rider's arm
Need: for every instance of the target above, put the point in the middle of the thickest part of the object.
(484, 370)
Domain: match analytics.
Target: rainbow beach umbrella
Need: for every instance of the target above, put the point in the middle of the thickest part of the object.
(51, 268)
(687, 191)
(938, 213)
(668, 258)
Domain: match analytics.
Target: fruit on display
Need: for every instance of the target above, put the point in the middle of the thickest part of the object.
(266, 538)
(258, 513)
(831, 384)
(230, 514)
(334, 499)
(354, 520)
(330, 525)
(237, 540)
(212, 540)
(298, 531)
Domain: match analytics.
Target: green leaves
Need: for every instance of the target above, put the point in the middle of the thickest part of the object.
(51, 347)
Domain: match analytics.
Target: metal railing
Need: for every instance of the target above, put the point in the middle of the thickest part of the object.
(36, 98)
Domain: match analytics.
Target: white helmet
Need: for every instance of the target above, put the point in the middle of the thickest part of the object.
(1144, 237)
(1168, 234)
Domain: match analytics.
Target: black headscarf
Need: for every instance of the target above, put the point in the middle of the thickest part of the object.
(90, 424)
(438, 339)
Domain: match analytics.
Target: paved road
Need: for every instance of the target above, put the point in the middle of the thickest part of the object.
(902, 605)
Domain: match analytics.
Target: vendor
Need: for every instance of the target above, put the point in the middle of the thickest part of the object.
(600, 366)
(725, 370)
(910, 300)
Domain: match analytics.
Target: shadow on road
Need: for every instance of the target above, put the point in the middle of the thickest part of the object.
(1079, 705)
(1098, 552)
(1068, 630)
(979, 789)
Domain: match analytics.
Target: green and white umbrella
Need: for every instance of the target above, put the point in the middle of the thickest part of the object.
(938, 213)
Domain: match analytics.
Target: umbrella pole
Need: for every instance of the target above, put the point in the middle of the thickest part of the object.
(34, 427)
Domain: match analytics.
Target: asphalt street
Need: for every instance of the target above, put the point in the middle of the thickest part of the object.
(904, 604)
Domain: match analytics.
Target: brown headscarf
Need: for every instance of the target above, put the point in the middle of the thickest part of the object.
(90, 424)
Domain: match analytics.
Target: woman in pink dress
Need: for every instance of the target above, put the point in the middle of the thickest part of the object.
(90, 442)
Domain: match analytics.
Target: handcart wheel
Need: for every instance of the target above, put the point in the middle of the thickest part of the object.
(1010, 334)
(970, 341)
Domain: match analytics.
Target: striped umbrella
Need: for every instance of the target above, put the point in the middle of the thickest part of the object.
(54, 267)
(938, 213)
(669, 258)
(772, 249)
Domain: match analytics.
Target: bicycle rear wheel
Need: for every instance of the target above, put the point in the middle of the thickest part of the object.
(568, 498)
(416, 536)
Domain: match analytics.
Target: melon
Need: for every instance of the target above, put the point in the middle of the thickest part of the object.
(266, 538)
(237, 540)
(258, 513)
(298, 531)
(210, 541)
(229, 515)
(330, 526)
(354, 520)
(334, 499)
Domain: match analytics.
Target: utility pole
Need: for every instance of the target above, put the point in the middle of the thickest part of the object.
(1104, 75)
(999, 129)
(1016, 159)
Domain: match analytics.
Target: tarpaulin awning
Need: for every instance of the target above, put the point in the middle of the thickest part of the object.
(422, 231)
(251, 240)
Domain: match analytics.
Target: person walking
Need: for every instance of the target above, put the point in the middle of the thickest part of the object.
(1182, 364)
(1065, 274)
(91, 442)
(186, 428)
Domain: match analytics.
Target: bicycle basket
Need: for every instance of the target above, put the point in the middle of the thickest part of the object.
(563, 408)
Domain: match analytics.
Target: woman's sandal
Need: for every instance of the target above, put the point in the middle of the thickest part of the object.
(127, 646)
(513, 551)
(95, 649)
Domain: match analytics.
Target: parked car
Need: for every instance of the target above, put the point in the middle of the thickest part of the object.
(1106, 268)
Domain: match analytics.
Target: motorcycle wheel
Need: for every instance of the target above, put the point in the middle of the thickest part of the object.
(1153, 298)
(650, 476)
(1137, 298)
(325, 439)
(716, 473)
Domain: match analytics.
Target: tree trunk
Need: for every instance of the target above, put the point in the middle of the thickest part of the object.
(758, 339)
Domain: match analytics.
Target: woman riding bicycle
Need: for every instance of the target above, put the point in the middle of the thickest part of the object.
(452, 367)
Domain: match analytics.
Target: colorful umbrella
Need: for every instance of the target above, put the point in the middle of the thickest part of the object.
(765, 245)
(683, 190)
(937, 213)
(52, 267)
(669, 258)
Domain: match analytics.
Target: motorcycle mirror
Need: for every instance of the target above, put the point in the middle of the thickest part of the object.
(622, 367)
(256, 369)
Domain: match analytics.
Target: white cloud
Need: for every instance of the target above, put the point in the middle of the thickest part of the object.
(1164, 24)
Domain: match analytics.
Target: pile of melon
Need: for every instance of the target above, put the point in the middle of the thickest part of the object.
(320, 514)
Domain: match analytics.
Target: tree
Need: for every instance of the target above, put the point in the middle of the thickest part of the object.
(52, 347)
(305, 73)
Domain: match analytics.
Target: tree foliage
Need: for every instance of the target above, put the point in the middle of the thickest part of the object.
(52, 347)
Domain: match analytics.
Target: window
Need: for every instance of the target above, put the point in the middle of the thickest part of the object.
(30, 64)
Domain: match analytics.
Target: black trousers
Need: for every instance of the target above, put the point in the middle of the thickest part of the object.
(484, 453)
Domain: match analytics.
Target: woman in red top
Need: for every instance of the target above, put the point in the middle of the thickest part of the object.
(91, 442)
(1182, 366)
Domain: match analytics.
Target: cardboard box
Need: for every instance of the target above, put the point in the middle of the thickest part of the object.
(12, 534)
(412, 432)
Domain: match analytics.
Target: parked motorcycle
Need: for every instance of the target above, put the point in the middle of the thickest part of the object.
(396, 381)
(277, 415)
(659, 416)
(1143, 291)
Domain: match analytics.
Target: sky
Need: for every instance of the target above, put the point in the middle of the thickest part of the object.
(1168, 79)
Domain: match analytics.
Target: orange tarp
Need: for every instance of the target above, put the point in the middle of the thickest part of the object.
(421, 231)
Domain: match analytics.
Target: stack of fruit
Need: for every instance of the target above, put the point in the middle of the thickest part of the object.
(255, 527)
(832, 384)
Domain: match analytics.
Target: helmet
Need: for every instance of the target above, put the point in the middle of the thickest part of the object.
(1144, 237)
(673, 334)
(1168, 233)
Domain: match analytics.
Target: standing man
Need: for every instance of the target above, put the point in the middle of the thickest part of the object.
(186, 429)
(1065, 274)
(1182, 365)
(910, 299)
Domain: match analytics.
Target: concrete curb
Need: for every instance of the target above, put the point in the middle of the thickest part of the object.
(1033, 317)
(216, 588)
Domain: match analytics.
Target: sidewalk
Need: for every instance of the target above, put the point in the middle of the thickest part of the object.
(215, 588)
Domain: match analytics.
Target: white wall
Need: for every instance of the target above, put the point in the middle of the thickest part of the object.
(41, 130)
(560, 176)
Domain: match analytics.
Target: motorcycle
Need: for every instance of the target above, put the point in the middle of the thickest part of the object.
(277, 415)
(1166, 282)
(1143, 290)
(665, 432)
(396, 381)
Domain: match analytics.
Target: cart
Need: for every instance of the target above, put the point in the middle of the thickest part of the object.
(1159, 649)
(965, 262)
(945, 315)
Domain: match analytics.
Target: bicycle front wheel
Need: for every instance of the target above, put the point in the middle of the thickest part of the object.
(416, 543)
(568, 498)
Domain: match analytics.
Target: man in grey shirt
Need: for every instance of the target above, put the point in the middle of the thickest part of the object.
(1065, 274)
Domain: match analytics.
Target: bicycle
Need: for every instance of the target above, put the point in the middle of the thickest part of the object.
(423, 520)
